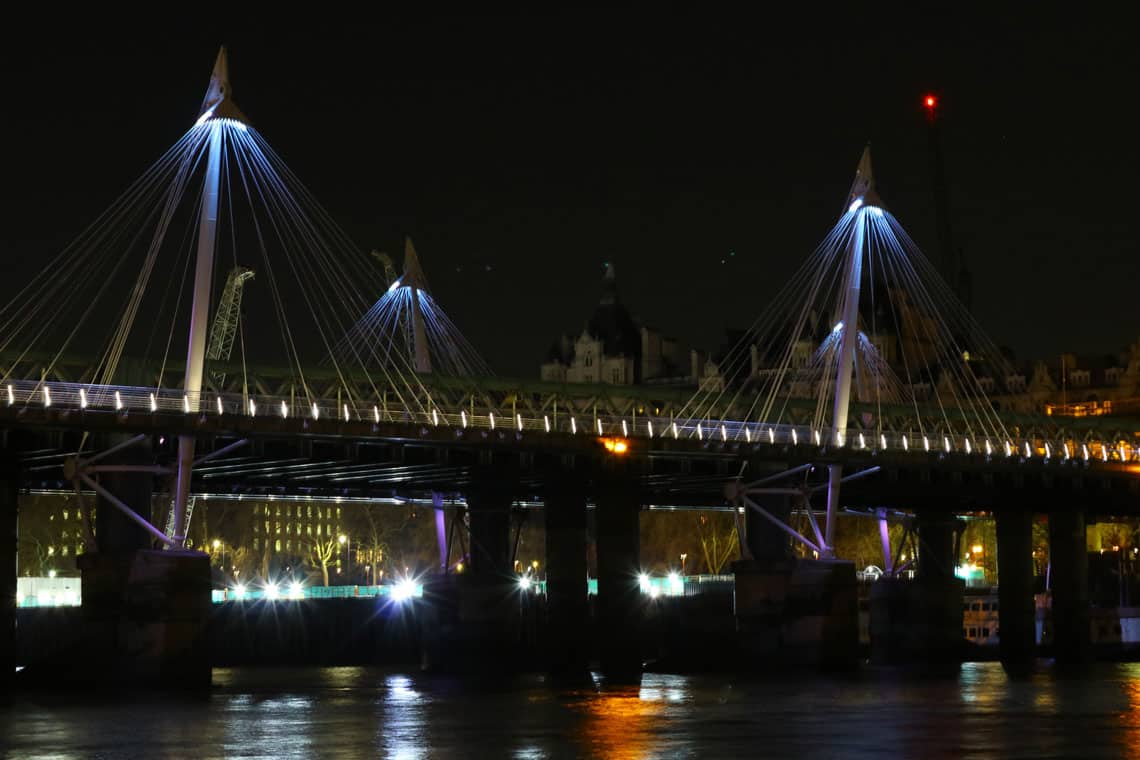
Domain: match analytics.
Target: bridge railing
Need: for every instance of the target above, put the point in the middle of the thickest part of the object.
(127, 400)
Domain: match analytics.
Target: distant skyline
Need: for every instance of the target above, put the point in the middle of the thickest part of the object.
(522, 152)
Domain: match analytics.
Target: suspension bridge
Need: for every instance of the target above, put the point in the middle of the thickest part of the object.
(863, 383)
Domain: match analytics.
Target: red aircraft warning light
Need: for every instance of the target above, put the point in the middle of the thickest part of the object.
(929, 101)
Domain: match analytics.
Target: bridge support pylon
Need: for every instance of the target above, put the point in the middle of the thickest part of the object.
(617, 519)
(919, 622)
(568, 610)
(145, 609)
(471, 621)
(791, 610)
(1016, 610)
(1069, 579)
(9, 523)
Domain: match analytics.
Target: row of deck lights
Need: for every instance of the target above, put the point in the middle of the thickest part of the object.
(466, 421)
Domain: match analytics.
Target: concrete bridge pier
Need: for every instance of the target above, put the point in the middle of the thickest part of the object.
(567, 610)
(789, 610)
(619, 606)
(144, 609)
(1016, 611)
(471, 621)
(1069, 578)
(919, 622)
(9, 523)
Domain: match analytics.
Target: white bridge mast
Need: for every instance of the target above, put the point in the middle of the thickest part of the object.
(861, 201)
(216, 108)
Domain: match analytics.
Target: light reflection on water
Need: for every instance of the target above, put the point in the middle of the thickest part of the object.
(364, 712)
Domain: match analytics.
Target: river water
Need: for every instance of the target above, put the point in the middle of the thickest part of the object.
(366, 712)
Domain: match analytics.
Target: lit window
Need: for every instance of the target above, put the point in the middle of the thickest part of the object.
(65, 514)
(277, 545)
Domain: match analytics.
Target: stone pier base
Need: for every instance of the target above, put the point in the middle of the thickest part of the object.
(797, 612)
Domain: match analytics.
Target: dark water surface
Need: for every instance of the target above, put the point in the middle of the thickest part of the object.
(365, 712)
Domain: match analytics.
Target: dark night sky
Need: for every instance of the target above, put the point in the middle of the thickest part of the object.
(541, 147)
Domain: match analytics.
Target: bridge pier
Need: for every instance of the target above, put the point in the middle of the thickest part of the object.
(144, 609)
(919, 622)
(1069, 578)
(1016, 611)
(789, 610)
(567, 603)
(471, 620)
(9, 546)
(618, 519)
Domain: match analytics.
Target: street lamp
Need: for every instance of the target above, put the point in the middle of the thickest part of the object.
(684, 556)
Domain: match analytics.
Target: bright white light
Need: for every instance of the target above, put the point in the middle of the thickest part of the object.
(239, 591)
(1066, 448)
(296, 590)
(284, 410)
(771, 435)
(876, 211)
(518, 420)
(747, 435)
(624, 429)
(345, 408)
(643, 583)
(989, 448)
(463, 417)
(316, 412)
(795, 438)
(219, 400)
(271, 591)
(723, 433)
(404, 590)
(1085, 451)
(1048, 451)
(1008, 449)
(573, 425)
(524, 583)
(1103, 453)
(435, 417)
(676, 585)
(1028, 453)
(969, 448)
(862, 442)
(376, 413)
(946, 443)
(654, 592)
(700, 433)
(546, 422)
(906, 443)
(838, 327)
(394, 285)
(599, 421)
(649, 426)
(675, 434)
(153, 403)
(491, 417)
(204, 118)
(252, 408)
(118, 402)
(926, 443)
(11, 396)
(815, 435)
(1123, 456)
(186, 404)
(82, 399)
(855, 205)
(47, 396)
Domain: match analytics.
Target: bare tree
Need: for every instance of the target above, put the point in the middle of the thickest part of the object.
(719, 544)
(322, 551)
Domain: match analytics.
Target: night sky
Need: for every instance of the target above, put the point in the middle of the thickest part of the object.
(704, 156)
